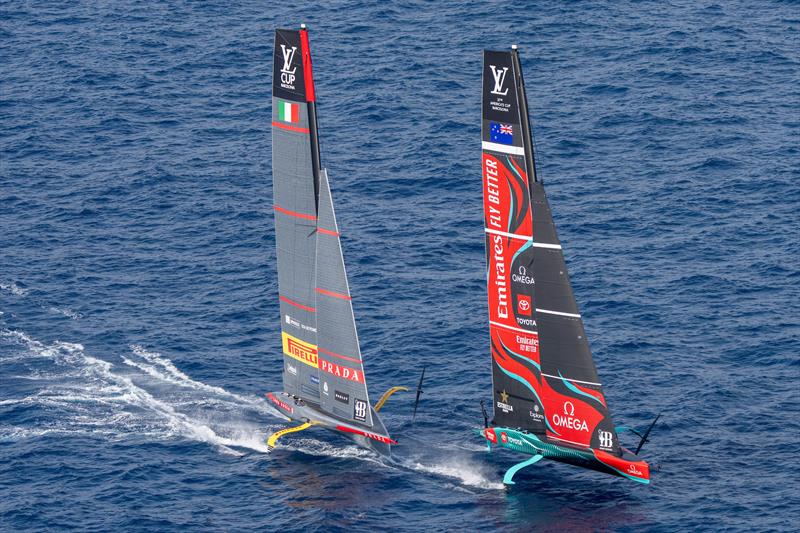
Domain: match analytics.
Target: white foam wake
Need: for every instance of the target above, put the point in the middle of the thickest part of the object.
(87, 394)
(463, 471)
(13, 288)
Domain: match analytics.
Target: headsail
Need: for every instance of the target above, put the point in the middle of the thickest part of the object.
(343, 385)
(295, 176)
(544, 378)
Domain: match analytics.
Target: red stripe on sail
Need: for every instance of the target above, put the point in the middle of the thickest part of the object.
(290, 128)
(292, 213)
(299, 306)
(334, 294)
(308, 73)
(328, 232)
(340, 356)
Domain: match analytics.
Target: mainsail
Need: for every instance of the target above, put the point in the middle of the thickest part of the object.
(321, 353)
(295, 177)
(544, 378)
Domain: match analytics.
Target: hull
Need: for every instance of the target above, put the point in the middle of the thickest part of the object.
(303, 411)
(628, 465)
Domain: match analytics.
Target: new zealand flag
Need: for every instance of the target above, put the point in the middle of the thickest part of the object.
(501, 133)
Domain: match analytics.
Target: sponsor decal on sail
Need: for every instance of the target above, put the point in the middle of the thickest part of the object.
(524, 304)
(568, 419)
(499, 80)
(521, 276)
(535, 414)
(606, 439)
(288, 112)
(360, 410)
(499, 277)
(503, 404)
(288, 73)
(297, 324)
(341, 396)
(291, 369)
(341, 371)
(501, 133)
(300, 350)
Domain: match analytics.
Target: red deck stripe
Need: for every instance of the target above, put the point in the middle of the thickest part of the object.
(334, 294)
(328, 232)
(292, 213)
(299, 306)
(373, 436)
(288, 127)
(340, 356)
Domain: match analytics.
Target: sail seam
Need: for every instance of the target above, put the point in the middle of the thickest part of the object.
(499, 325)
(524, 238)
(575, 380)
(559, 313)
(503, 148)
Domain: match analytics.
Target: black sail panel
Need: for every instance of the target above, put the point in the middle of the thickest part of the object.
(576, 409)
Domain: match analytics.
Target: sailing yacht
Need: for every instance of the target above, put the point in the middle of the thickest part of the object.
(324, 383)
(547, 396)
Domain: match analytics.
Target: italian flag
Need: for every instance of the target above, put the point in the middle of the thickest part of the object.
(288, 112)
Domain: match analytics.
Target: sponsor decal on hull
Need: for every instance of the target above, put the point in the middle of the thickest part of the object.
(636, 470)
(302, 351)
(374, 436)
(283, 405)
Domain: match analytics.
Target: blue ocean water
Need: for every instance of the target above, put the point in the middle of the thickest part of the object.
(138, 307)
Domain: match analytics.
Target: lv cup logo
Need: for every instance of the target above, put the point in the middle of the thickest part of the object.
(499, 80)
(287, 72)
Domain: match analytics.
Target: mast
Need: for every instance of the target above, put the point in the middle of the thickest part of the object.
(560, 377)
(527, 134)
